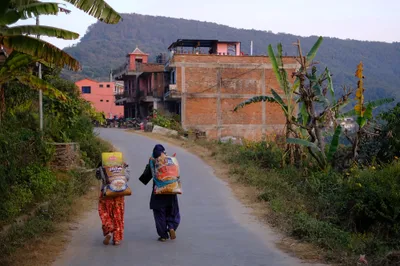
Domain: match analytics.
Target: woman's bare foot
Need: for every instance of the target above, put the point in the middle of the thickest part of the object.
(107, 239)
(117, 243)
(172, 234)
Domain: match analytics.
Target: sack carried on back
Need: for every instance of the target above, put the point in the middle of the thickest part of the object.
(166, 176)
(116, 175)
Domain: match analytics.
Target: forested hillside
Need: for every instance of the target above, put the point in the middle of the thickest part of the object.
(105, 47)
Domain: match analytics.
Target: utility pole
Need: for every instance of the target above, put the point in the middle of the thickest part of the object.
(66, 11)
(40, 91)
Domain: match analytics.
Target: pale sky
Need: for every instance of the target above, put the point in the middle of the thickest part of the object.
(371, 20)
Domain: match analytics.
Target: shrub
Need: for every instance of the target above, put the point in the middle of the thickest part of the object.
(264, 154)
(58, 210)
(15, 199)
(41, 181)
(323, 233)
(24, 155)
(166, 120)
(21, 152)
(373, 200)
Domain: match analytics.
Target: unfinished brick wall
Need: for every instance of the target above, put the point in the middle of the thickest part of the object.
(212, 86)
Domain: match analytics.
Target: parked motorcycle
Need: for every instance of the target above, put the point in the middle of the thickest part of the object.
(133, 123)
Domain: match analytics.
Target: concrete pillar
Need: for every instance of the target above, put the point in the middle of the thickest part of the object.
(137, 93)
(183, 101)
(264, 105)
(219, 111)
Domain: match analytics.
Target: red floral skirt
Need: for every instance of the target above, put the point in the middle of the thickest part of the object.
(111, 211)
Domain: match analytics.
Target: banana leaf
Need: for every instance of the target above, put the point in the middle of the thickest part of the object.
(255, 99)
(41, 30)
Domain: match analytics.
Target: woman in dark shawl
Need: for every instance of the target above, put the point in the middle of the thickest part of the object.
(165, 207)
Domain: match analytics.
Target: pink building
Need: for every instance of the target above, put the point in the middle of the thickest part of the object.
(101, 95)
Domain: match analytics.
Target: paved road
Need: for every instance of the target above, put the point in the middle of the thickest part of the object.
(215, 228)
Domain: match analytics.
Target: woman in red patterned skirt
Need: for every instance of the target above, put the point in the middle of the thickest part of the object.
(111, 211)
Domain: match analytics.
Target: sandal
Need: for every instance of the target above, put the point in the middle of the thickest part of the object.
(172, 234)
(161, 239)
(107, 239)
(117, 243)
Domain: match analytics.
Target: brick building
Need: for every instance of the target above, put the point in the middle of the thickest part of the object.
(209, 78)
(101, 95)
(202, 81)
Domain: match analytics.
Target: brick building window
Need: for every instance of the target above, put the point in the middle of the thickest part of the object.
(86, 89)
(108, 85)
(107, 100)
(101, 86)
(101, 100)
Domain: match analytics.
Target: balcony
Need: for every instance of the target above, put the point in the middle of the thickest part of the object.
(125, 70)
(121, 98)
(172, 93)
(117, 74)
(172, 87)
(146, 97)
(139, 69)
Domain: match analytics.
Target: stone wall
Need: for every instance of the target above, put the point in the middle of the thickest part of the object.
(66, 156)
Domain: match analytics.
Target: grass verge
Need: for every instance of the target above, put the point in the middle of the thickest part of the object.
(340, 215)
(42, 237)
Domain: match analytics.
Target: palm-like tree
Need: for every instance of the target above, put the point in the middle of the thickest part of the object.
(20, 49)
(17, 37)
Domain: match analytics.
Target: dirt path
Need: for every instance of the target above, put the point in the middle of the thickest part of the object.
(216, 228)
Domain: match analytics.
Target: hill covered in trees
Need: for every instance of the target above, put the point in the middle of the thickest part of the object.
(106, 46)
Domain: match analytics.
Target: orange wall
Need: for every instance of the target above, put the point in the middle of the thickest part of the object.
(132, 58)
(102, 98)
(214, 85)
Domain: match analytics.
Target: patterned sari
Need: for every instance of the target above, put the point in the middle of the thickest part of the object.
(111, 211)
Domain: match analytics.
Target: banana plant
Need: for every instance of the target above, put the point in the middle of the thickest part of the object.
(318, 106)
(287, 103)
(16, 37)
(362, 111)
(18, 67)
(322, 157)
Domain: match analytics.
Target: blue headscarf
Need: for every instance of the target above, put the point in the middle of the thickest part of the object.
(158, 150)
